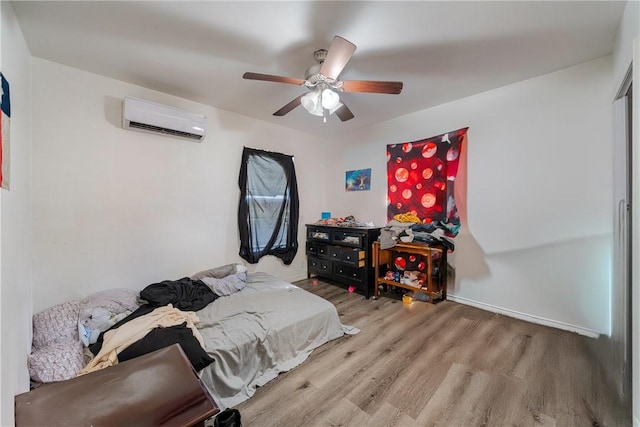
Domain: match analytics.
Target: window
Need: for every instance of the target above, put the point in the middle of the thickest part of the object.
(268, 210)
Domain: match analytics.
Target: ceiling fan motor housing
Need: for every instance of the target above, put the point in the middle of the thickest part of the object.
(319, 55)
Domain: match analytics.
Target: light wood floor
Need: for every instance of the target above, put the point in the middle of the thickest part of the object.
(446, 364)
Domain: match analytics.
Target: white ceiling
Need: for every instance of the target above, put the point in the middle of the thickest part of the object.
(442, 51)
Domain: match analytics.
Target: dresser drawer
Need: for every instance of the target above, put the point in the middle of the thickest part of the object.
(349, 275)
(317, 249)
(319, 266)
(318, 234)
(351, 256)
(347, 238)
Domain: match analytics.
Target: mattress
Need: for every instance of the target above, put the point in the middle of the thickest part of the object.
(269, 327)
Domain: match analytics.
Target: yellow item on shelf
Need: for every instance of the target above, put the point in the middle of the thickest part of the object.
(407, 217)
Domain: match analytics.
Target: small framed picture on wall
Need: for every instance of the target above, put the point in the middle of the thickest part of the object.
(358, 180)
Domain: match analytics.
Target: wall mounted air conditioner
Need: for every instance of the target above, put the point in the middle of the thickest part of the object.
(147, 116)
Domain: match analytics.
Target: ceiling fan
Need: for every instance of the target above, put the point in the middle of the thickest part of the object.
(323, 99)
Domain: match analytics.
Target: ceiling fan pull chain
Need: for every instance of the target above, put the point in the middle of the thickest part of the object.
(324, 110)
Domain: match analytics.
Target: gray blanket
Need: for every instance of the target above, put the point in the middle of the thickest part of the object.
(271, 326)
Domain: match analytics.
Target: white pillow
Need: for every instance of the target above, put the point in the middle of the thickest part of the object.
(227, 285)
(220, 272)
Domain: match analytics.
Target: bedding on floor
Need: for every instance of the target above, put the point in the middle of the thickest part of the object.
(270, 327)
(254, 327)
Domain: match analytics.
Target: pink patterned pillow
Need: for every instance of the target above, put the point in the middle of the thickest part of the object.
(59, 322)
(57, 362)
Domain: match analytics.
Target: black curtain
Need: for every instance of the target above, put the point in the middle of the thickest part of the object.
(268, 209)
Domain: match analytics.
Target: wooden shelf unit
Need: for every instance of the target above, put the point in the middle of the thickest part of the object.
(386, 257)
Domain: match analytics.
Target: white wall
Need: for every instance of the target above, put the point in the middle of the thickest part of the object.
(15, 216)
(117, 208)
(539, 193)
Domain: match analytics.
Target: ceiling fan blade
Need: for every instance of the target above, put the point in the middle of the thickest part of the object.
(271, 78)
(344, 113)
(338, 55)
(290, 106)
(372, 86)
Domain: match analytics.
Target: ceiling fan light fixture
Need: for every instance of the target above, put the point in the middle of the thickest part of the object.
(319, 100)
(311, 103)
(330, 99)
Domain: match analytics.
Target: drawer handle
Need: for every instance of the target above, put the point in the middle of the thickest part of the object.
(348, 257)
(334, 255)
(354, 274)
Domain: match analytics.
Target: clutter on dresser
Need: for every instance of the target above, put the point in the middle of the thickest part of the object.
(347, 221)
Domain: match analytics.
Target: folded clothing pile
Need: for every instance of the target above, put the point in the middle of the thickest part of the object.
(435, 232)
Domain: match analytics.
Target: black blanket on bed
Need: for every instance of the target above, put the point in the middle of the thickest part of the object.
(185, 294)
(163, 337)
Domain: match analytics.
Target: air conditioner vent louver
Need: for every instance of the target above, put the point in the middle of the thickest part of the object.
(158, 129)
(147, 116)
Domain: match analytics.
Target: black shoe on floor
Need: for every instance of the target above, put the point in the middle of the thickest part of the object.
(228, 418)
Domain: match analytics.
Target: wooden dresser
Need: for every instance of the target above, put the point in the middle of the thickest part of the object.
(342, 255)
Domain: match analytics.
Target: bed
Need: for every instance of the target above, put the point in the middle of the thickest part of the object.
(251, 335)
(269, 327)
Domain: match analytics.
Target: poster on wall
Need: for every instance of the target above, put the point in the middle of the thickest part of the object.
(5, 105)
(421, 177)
(358, 180)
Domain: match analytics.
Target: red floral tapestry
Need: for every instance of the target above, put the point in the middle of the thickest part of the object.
(421, 177)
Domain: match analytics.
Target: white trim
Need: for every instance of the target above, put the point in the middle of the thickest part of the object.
(635, 235)
(626, 83)
(528, 317)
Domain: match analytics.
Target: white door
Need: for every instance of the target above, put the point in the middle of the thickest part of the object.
(621, 266)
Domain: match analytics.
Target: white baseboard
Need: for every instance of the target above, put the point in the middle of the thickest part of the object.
(522, 316)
